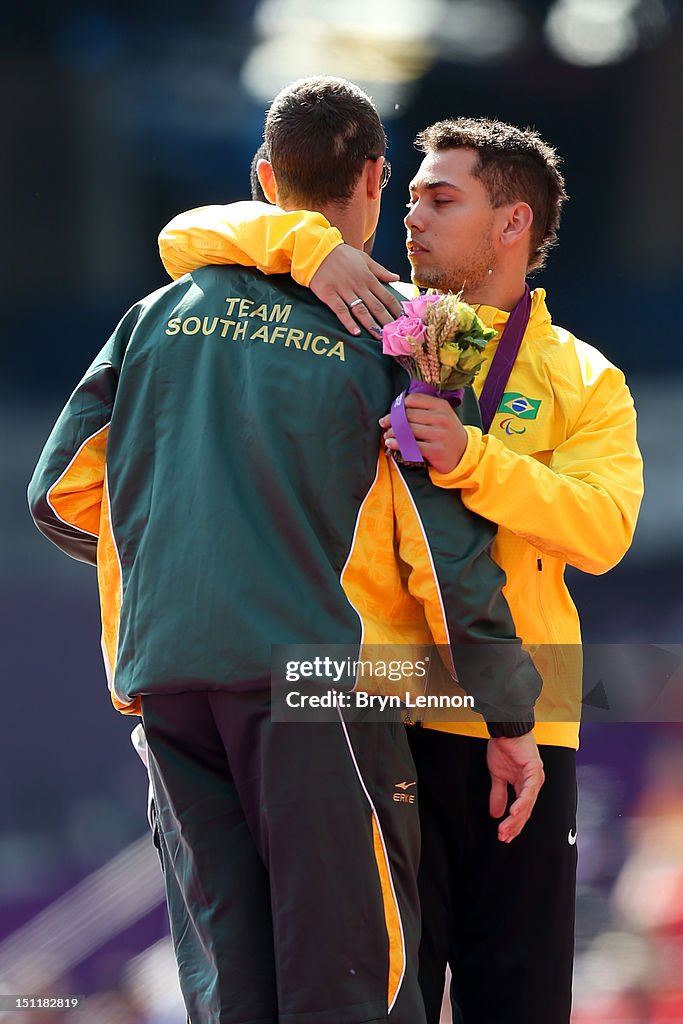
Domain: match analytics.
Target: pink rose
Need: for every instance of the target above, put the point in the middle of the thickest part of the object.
(396, 336)
(416, 307)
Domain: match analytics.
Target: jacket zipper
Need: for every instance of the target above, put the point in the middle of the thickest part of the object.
(544, 618)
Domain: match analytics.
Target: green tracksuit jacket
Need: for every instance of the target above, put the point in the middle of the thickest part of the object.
(220, 462)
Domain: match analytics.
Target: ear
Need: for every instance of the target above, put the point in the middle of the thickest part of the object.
(373, 172)
(265, 174)
(517, 224)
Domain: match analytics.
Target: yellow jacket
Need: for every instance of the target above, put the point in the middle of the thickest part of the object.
(559, 471)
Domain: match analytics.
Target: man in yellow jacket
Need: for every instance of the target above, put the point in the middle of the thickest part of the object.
(560, 473)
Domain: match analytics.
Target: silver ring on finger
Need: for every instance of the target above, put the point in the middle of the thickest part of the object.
(356, 302)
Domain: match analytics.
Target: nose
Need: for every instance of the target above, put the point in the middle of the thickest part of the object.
(413, 218)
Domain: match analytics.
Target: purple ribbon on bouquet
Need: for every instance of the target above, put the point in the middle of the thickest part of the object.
(407, 445)
(492, 392)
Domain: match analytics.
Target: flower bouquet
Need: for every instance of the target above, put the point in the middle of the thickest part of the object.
(440, 341)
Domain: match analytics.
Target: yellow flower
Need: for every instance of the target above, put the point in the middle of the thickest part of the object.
(465, 317)
(471, 360)
(450, 354)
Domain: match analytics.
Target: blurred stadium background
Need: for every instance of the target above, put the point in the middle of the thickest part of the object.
(117, 116)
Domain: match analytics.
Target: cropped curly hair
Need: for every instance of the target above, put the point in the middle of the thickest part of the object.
(513, 164)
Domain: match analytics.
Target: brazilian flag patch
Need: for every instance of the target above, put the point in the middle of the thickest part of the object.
(515, 404)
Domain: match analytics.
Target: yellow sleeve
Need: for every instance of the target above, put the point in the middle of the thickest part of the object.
(581, 507)
(249, 234)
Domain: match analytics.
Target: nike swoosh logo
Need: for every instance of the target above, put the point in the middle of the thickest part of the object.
(405, 785)
(571, 838)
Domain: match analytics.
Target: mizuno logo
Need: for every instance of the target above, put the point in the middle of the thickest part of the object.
(405, 785)
(571, 838)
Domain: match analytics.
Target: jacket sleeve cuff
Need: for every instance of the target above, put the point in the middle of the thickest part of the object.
(498, 729)
(468, 462)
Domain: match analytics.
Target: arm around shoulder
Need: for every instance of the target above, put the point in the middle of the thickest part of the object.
(249, 234)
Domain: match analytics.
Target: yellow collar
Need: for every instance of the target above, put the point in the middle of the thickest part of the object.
(491, 316)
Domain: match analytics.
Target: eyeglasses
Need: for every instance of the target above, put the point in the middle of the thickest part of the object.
(386, 168)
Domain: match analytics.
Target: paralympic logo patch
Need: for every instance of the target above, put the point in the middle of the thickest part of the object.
(506, 425)
(515, 404)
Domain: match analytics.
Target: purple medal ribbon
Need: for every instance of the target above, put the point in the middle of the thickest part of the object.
(406, 442)
(492, 392)
(504, 359)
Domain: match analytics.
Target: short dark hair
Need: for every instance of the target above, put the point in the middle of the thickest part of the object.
(319, 133)
(257, 192)
(513, 164)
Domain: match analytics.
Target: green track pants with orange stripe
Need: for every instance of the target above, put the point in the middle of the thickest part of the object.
(290, 851)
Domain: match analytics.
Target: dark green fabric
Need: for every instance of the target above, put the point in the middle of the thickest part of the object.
(244, 437)
(487, 655)
(236, 471)
(303, 939)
